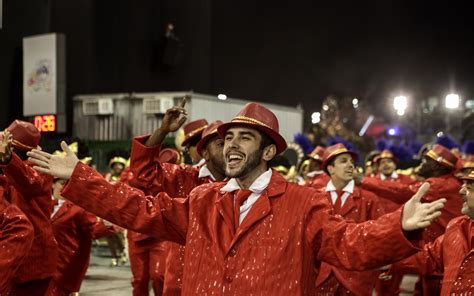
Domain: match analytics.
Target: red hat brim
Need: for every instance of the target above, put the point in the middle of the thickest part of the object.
(187, 140)
(279, 141)
(327, 161)
(203, 142)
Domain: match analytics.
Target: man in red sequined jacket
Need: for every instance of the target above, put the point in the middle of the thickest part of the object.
(254, 233)
(153, 175)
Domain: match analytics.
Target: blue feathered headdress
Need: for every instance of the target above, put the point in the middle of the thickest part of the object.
(304, 142)
(381, 144)
(447, 142)
(468, 147)
(401, 153)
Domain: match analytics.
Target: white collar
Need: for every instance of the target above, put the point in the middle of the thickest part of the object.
(205, 172)
(258, 186)
(394, 175)
(314, 173)
(200, 163)
(348, 188)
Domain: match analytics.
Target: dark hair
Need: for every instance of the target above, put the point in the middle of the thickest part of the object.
(329, 163)
(193, 141)
(266, 141)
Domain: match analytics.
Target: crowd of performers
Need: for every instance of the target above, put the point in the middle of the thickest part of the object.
(236, 222)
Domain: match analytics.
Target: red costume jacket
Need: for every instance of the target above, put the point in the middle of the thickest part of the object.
(273, 251)
(360, 206)
(453, 254)
(319, 181)
(74, 229)
(31, 192)
(16, 237)
(446, 186)
(388, 204)
(152, 176)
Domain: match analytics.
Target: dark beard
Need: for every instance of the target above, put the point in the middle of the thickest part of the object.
(252, 163)
(218, 164)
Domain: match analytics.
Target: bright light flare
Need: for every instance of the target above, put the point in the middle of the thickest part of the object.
(400, 103)
(315, 117)
(452, 101)
(222, 97)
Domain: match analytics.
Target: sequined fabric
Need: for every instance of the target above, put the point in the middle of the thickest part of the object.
(388, 204)
(446, 186)
(16, 237)
(452, 253)
(318, 181)
(74, 230)
(360, 206)
(31, 192)
(288, 230)
(152, 176)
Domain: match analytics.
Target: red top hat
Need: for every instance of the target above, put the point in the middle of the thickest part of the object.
(333, 151)
(317, 153)
(385, 154)
(209, 132)
(169, 155)
(193, 129)
(469, 177)
(468, 163)
(256, 116)
(443, 156)
(25, 135)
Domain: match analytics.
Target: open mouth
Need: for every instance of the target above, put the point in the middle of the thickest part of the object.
(234, 159)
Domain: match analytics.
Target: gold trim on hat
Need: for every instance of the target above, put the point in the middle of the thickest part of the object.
(21, 145)
(195, 131)
(338, 151)
(246, 119)
(386, 155)
(468, 164)
(433, 155)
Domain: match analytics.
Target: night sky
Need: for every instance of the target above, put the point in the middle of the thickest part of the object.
(372, 51)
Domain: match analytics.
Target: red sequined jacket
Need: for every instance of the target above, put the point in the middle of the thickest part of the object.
(16, 237)
(74, 230)
(31, 192)
(274, 250)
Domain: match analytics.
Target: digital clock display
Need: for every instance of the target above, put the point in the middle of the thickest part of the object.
(45, 123)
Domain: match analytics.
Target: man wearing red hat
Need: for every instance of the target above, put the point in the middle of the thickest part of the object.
(438, 166)
(387, 165)
(254, 233)
(192, 134)
(352, 203)
(31, 192)
(452, 253)
(153, 176)
(16, 237)
(318, 177)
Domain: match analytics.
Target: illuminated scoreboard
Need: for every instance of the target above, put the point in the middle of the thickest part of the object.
(45, 123)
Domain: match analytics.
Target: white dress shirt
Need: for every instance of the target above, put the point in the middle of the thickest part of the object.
(257, 187)
(348, 190)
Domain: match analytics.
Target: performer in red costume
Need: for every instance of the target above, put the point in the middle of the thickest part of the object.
(30, 191)
(255, 233)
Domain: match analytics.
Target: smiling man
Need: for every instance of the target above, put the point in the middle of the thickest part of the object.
(269, 243)
(352, 203)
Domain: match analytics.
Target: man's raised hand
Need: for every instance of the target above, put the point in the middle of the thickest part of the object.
(174, 118)
(57, 166)
(418, 215)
